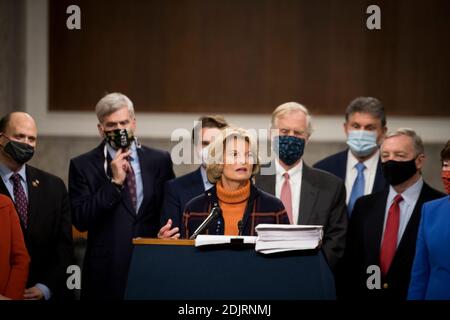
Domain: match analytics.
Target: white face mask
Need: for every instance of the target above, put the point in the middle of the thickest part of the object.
(362, 142)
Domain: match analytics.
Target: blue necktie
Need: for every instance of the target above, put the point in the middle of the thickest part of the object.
(358, 187)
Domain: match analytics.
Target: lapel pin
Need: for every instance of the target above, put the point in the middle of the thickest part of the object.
(35, 183)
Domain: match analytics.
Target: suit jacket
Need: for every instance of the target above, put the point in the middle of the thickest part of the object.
(178, 192)
(364, 243)
(322, 202)
(261, 208)
(14, 259)
(107, 214)
(337, 165)
(430, 277)
(49, 234)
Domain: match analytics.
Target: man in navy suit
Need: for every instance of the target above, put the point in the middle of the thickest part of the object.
(116, 195)
(179, 191)
(359, 166)
(383, 228)
(42, 203)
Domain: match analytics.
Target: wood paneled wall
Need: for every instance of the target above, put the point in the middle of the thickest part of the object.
(248, 56)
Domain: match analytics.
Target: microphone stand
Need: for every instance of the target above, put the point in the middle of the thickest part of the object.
(215, 212)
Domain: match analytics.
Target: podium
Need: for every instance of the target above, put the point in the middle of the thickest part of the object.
(177, 270)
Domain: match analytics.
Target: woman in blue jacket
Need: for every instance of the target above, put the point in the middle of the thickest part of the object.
(430, 278)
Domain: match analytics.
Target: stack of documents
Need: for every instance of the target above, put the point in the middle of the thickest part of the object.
(274, 238)
(205, 240)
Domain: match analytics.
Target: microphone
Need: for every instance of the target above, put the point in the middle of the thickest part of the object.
(215, 212)
(240, 227)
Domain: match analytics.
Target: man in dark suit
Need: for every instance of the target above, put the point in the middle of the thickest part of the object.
(383, 229)
(359, 166)
(42, 204)
(116, 193)
(179, 191)
(310, 196)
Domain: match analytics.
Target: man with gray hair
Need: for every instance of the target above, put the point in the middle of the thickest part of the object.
(310, 196)
(359, 165)
(116, 193)
(383, 228)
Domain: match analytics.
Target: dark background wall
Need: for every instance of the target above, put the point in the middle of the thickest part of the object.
(12, 55)
(248, 56)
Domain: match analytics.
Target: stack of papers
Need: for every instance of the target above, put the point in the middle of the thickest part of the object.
(274, 238)
(205, 240)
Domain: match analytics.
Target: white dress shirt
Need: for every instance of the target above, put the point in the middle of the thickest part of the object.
(206, 183)
(295, 181)
(410, 197)
(369, 173)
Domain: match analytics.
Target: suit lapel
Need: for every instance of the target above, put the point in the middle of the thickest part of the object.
(99, 162)
(379, 182)
(146, 184)
(410, 234)
(34, 196)
(374, 226)
(197, 183)
(100, 165)
(266, 183)
(342, 165)
(308, 196)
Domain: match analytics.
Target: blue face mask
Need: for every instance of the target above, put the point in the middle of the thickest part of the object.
(361, 142)
(289, 148)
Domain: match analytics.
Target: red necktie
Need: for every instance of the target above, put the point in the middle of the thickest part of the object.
(20, 199)
(286, 196)
(389, 243)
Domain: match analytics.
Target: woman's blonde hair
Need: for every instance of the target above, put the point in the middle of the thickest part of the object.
(215, 161)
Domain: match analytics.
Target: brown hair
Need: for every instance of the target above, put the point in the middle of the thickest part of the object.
(445, 153)
(208, 121)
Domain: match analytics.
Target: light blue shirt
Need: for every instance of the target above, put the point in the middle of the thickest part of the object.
(206, 182)
(410, 197)
(134, 161)
(6, 174)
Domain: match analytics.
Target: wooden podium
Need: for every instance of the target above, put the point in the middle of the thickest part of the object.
(177, 270)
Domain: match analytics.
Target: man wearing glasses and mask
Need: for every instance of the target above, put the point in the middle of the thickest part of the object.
(116, 193)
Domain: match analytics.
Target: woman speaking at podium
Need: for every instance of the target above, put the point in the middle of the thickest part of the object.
(234, 206)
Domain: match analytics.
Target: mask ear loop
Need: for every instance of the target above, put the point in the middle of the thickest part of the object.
(136, 140)
(105, 164)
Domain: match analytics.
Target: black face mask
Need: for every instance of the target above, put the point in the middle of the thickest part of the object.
(397, 172)
(20, 152)
(119, 138)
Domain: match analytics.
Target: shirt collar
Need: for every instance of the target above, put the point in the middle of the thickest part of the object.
(410, 195)
(112, 152)
(6, 173)
(204, 175)
(369, 163)
(294, 172)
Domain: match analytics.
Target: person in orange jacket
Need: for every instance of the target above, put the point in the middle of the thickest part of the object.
(14, 259)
